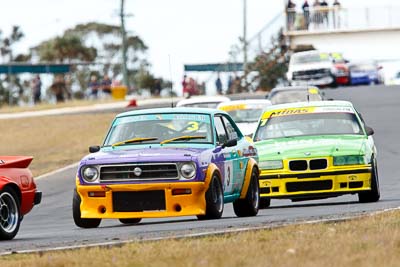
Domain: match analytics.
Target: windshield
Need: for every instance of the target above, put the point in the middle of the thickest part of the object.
(245, 115)
(202, 105)
(160, 127)
(294, 96)
(364, 67)
(308, 124)
(310, 58)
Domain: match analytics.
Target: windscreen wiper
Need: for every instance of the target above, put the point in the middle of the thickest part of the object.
(183, 137)
(134, 140)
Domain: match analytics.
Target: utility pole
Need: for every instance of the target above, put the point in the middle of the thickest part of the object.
(124, 48)
(245, 41)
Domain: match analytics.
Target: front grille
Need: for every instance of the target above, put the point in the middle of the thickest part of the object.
(311, 74)
(318, 164)
(298, 165)
(139, 201)
(308, 186)
(147, 171)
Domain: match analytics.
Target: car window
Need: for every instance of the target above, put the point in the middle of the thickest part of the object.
(220, 130)
(161, 127)
(232, 133)
(291, 96)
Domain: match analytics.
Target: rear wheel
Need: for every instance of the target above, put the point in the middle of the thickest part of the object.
(76, 213)
(9, 214)
(130, 220)
(214, 200)
(249, 206)
(374, 194)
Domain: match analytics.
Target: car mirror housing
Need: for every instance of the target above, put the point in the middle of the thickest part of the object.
(369, 130)
(230, 143)
(94, 149)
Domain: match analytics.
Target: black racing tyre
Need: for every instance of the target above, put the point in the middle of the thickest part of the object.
(9, 214)
(130, 220)
(250, 204)
(374, 194)
(214, 200)
(76, 213)
(265, 202)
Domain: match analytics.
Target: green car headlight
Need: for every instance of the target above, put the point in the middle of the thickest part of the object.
(271, 165)
(348, 160)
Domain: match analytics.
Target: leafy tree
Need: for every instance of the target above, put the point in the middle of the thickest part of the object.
(6, 44)
(271, 65)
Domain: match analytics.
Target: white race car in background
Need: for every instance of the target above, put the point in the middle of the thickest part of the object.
(202, 101)
(245, 113)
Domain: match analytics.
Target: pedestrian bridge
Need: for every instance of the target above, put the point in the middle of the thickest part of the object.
(359, 33)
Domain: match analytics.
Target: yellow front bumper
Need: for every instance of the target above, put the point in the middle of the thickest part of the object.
(334, 181)
(175, 205)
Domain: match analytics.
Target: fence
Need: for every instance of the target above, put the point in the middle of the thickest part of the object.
(336, 18)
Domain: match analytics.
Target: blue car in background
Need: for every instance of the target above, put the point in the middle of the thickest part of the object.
(365, 73)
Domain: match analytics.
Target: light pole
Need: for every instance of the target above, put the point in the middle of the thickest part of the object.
(245, 38)
(124, 48)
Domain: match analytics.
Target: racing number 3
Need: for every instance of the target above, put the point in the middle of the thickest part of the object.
(193, 126)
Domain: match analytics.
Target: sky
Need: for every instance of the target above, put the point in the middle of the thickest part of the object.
(177, 32)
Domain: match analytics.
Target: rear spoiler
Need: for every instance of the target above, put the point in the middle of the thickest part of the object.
(20, 162)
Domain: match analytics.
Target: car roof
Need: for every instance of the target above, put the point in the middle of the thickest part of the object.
(246, 101)
(294, 88)
(202, 99)
(209, 111)
(334, 103)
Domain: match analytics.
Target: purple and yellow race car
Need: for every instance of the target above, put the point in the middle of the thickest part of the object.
(167, 162)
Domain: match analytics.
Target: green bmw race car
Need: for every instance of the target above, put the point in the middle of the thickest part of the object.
(315, 150)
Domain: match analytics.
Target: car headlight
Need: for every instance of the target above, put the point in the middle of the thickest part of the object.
(271, 165)
(349, 160)
(188, 170)
(90, 174)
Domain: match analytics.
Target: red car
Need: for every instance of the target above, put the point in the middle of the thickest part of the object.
(18, 193)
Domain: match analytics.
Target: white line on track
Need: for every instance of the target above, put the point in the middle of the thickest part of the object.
(201, 234)
(73, 165)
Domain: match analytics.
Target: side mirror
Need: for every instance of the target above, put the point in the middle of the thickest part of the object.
(94, 149)
(230, 143)
(369, 130)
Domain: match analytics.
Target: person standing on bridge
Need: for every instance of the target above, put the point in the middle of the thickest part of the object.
(291, 14)
(306, 13)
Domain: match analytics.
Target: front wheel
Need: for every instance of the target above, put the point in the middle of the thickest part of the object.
(9, 214)
(249, 206)
(374, 194)
(214, 200)
(76, 213)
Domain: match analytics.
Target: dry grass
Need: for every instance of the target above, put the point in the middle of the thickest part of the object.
(54, 141)
(370, 241)
(44, 106)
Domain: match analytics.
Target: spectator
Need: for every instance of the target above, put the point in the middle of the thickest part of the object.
(336, 14)
(317, 16)
(185, 90)
(324, 12)
(36, 89)
(230, 82)
(291, 14)
(94, 86)
(218, 85)
(106, 85)
(58, 88)
(306, 13)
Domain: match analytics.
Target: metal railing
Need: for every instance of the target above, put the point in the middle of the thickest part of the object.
(336, 18)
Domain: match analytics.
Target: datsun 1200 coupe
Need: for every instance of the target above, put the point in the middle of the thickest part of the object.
(167, 162)
(18, 193)
(314, 150)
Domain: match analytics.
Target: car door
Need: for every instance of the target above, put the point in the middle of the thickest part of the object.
(224, 156)
(237, 162)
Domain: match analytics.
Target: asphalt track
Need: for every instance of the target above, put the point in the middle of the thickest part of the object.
(50, 225)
